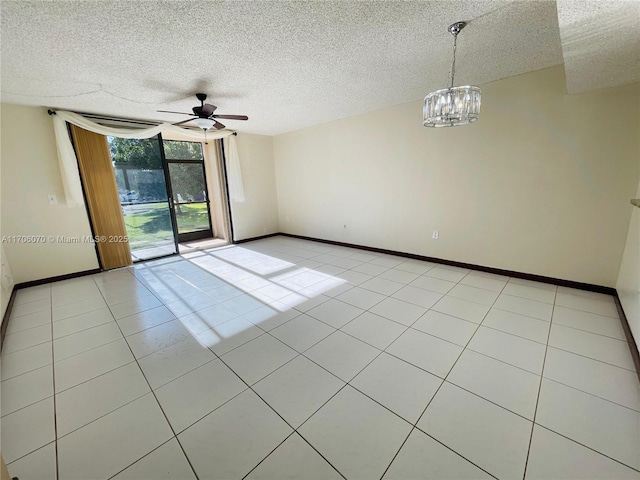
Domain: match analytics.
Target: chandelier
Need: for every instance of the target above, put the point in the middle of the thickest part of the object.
(453, 106)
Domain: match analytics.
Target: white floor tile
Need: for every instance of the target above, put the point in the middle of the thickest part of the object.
(398, 385)
(190, 397)
(268, 318)
(599, 424)
(167, 462)
(601, 306)
(131, 307)
(447, 273)
(38, 465)
(417, 296)
(554, 456)
(531, 283)
(229, 335)
(423, 458)
(99, 396)
(355, 434)
(25, 322)
(532, 293)
(302, 332)
(35, 306)
(524, 306)
(606, 349)
(85, 340)
(169, 363)
(298, 389)
(473, 294)
(489, 436)
(354, 277)
(190, 304)
(590, 322)
(494, 283)
(312, 302)
(156, 338)
(418, 267)
(91, 294)
(446, 327)
(77, 308)
(31, 294)
(294, 460)
(111, 443)
(342, 355)
(26, 389)
(591, 376)
(370, 269)
(388, 260)
(516, 351)
(27, 430)
(433, 284)
(217, 445)
(361, 298)
(399, 276)
(207, 318)
(382, 285)
(143, 320)
(85, 366)
(23, 361)
(516, 324)
(374, 330)
(258, 358)
(498, 382)
(425, 351)
(335, 313)
(398, 311)
(26, 338)
(457, 307)
(78, 323)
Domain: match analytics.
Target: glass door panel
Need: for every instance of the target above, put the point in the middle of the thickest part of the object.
(142, 189)
(189, 190)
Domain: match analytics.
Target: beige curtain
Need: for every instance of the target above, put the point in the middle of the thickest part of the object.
(101, 192)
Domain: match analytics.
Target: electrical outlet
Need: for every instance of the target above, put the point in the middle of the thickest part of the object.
(53, 200)
(435, 235)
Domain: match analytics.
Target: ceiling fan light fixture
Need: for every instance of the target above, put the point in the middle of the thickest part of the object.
(452, 106)
(205, 123)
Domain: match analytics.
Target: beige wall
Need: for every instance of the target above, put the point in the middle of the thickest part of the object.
(258, 214)
(29, 174)
(540, 184)
(628, 284)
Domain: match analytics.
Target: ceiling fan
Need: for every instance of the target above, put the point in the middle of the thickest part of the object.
(204, 116)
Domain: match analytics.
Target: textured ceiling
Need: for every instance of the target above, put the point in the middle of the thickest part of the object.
(600, 43)
(287, 65)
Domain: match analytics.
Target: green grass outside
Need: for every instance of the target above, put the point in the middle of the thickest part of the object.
(151, 225)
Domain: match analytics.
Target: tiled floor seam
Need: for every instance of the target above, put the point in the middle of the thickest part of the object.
(431, 400)
(535, 411)
(161, 409)
(594, 359)
(55, 410)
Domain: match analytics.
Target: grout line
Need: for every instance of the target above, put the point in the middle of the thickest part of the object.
(55, 406)
(535, 412)
(159, 406)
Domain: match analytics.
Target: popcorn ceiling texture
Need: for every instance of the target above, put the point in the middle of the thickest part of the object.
(600, 43)
(287, 65)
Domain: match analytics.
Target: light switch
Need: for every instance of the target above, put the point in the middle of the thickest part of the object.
(52, 199)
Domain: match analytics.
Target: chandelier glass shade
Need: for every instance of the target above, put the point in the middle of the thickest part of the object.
(452, 106)
(204, 123)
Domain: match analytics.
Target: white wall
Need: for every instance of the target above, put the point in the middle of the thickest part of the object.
(29, 173)
(540, 184)
(628, 284)
(258, 214)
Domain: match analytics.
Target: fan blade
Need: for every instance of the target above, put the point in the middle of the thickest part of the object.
(184, 121)
(218, 126)
(167, 111)
(231, 117)
(208, 109)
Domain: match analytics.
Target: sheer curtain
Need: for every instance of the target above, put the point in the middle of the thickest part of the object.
(69, 164)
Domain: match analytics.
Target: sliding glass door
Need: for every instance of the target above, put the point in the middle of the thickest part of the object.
(143, 193)
(189, 192)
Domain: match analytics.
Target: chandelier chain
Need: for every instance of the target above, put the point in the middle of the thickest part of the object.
(453, 64)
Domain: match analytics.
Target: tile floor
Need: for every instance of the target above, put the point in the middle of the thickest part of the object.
(284, 358)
